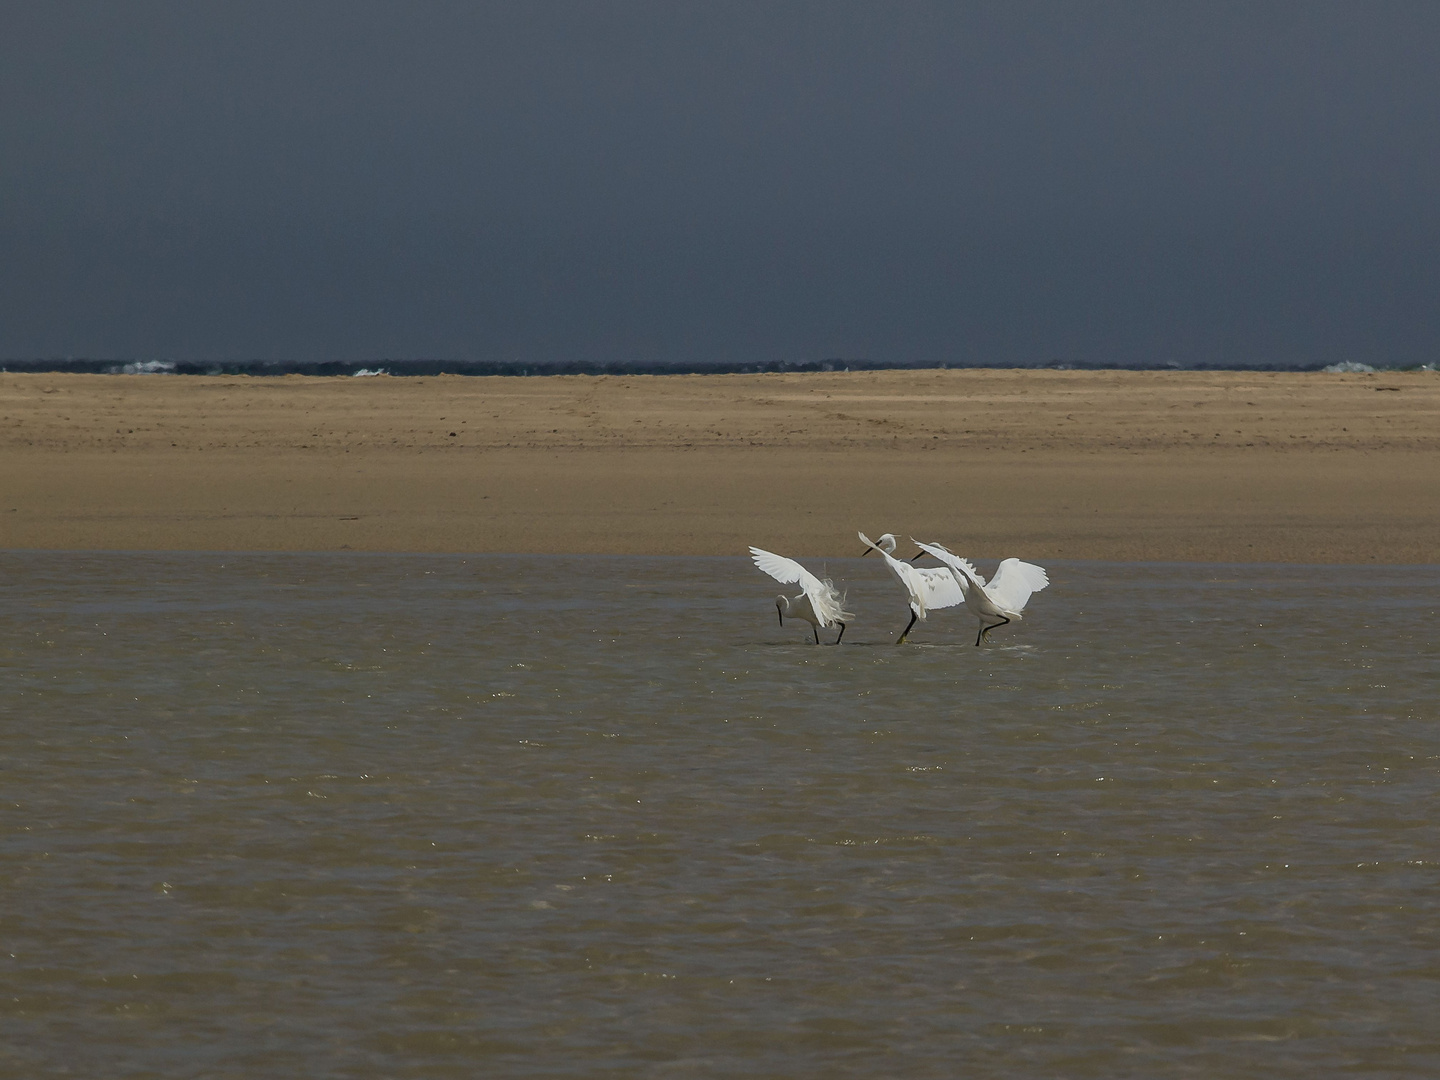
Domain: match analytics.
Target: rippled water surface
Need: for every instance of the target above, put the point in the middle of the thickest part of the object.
(506, 816)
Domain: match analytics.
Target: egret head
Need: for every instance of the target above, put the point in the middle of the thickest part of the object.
(922, 552)
(782, 605)
(886, 543)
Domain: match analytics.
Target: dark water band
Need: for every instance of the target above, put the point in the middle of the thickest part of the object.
(587, 367)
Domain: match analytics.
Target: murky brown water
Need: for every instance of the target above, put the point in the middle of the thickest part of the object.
(314, 816)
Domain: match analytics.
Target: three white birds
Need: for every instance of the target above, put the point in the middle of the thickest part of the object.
(819, 603)
(927, 588)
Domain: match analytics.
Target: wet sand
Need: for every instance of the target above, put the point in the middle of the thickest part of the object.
(1202, 466)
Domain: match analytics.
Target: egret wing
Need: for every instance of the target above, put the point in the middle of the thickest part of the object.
(1013, 583)
(824, 597)
(786, 571)
(955, 562)
(909, 577)
(942, 590)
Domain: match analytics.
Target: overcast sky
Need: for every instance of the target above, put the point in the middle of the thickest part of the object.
(1211, 182)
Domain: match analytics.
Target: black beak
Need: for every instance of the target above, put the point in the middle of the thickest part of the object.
(864, 553)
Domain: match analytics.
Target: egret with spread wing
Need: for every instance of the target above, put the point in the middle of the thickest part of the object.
(819, 604)
(929, 589)
(1006, 595)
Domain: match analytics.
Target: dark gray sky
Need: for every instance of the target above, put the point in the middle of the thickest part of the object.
(1214, 182)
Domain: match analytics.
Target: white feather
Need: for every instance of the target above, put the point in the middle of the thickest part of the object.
(929, 589)
(826, 601)
(1006, 595)
(1013, 584)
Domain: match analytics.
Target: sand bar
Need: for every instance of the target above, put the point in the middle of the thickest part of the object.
(1046, 464)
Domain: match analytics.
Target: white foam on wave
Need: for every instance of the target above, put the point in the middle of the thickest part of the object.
(145, 367)
(366, 373)
(1348, 367)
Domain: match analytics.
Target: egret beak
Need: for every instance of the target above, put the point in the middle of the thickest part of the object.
(864, 553)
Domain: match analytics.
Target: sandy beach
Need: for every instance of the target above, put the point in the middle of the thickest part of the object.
(1203, 466)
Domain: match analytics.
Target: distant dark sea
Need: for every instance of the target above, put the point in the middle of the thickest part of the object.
(588, 367)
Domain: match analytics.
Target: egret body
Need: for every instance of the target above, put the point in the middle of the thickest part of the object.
(1003, 599)
(928, 589)
(819, 603)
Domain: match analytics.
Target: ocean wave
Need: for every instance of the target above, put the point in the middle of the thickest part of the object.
(143, 367)
(1348, 367)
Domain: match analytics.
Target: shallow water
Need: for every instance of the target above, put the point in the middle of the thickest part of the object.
(394, 816)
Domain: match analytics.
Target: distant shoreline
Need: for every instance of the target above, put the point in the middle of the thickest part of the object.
(483, 368)
(1119, 465)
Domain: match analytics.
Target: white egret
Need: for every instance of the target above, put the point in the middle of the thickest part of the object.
(929, 589)
(1006, 595)
(819, 604)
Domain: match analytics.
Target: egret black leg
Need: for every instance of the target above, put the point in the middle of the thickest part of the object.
(842, 633)
(816, 631)
(911, 623)
(984, 630)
